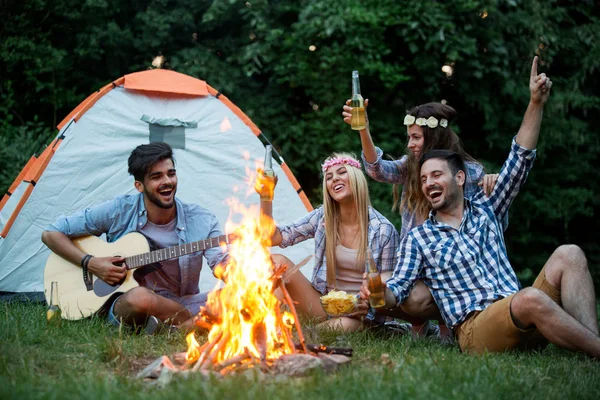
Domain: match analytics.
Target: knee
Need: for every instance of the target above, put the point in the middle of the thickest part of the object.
(138, 300)
(419, 302)
(571, 255)
(529, 303)
(280, 259)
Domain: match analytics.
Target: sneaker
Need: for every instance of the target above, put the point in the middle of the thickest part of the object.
(153, 326)
(396, 327)
(427, 330)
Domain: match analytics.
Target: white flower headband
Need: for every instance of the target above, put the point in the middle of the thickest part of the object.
(431, 122)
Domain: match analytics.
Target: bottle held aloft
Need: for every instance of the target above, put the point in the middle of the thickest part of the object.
(268, 173)
(358, 120)
(53, 313)
(374, 283)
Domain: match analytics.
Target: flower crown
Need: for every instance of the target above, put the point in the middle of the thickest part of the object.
(340, 160)
(431, 122)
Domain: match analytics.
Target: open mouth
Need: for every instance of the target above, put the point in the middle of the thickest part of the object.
(166, 192)
(337, 188)
(434, 194)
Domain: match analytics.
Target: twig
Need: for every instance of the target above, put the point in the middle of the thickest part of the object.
(208, 361)
(233, 360)
(290, 304)
(207, 350)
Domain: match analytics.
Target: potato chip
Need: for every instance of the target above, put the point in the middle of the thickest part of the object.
(338, 302)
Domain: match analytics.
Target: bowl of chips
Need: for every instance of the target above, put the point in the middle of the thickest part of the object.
(338, 303)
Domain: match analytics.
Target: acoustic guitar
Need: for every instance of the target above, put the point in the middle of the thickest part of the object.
(78, 300)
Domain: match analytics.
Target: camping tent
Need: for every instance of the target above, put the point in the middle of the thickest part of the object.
(215, 145)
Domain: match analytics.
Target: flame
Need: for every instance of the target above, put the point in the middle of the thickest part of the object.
(245, 314)
(193, 352)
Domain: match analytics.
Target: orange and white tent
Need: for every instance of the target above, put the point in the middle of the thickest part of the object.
(215, 145)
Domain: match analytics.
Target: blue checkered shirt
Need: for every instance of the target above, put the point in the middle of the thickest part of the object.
(396, 171)
(382, 235)
(465, 269)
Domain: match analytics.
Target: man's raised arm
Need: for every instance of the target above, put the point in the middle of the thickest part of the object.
(539, 86)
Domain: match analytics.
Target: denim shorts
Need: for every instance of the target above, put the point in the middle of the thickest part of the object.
(192, 302)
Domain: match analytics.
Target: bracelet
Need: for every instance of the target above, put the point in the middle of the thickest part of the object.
(87, 276)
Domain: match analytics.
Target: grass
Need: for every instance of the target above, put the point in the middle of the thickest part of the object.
(92, 360)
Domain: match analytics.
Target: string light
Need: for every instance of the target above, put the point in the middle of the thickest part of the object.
(312, 47)
(448, 70)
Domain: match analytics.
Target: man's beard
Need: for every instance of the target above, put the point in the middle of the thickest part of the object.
(450, 198)
(158, 201)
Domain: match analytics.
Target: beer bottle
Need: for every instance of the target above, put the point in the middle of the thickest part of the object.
(53, 313)
(375, 285)
(268, 172)
(358, 120)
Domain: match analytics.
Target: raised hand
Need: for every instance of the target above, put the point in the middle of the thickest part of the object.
(539, 85)
(488, 182)
(347, 113)
(265, 185)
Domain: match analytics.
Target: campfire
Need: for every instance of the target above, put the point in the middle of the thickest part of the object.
(246, 323)
(248, 326)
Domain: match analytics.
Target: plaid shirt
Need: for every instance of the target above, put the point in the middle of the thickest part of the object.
(465, 269)
(397, 172)
(383, 241)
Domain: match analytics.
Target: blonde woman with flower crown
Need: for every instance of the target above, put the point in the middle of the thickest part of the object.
(428, 127)
(343, 228)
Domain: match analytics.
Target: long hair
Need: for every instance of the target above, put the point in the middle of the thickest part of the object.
(331, 210)
(433, 138)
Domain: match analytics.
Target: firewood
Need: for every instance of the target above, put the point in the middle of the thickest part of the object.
(290, 304)
(233, 360)
(208, 361)
(207, 349)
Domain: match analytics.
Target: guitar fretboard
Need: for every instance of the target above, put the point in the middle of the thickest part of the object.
(168, 253)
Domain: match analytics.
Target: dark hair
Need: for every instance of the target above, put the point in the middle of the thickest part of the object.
(454, 160)
(144, 156)
(433, 138)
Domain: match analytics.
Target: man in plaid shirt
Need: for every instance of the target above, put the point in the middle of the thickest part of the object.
(459, 253)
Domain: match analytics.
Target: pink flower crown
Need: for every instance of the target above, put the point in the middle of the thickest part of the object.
(340, 160)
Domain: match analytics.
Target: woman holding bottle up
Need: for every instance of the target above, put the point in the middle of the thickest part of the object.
(427, 127)
(348, 233)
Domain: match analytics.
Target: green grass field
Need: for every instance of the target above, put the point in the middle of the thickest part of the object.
(92, 360)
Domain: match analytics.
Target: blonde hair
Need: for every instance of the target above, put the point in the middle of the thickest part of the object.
(331, 209)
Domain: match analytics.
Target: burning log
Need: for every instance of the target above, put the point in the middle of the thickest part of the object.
(205, 349)
(290, 304)
(319, 348)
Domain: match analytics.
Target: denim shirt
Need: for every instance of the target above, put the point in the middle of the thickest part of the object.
(125, 214)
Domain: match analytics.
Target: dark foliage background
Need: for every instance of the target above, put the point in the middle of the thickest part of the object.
(56, 52)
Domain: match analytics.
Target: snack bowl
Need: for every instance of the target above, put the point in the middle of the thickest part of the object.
(338, 303)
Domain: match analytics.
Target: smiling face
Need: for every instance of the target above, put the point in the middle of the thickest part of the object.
(415, 140)
(442, 189)
(160, 184)
(337, 181)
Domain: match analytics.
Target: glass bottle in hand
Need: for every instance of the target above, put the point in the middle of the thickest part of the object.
(358, 120)
(375, 285)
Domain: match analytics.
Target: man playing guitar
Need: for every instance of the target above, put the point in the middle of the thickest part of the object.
(167, 293)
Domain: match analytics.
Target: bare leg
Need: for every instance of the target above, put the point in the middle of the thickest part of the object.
(135, 306)
(531, 307)
(344, 324)
(567, 270)
(308, 300)
(418, 308)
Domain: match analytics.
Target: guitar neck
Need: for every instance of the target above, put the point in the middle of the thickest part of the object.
(169, 253)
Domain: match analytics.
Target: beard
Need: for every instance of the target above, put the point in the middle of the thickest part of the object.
(156, 200)
(450, 199)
